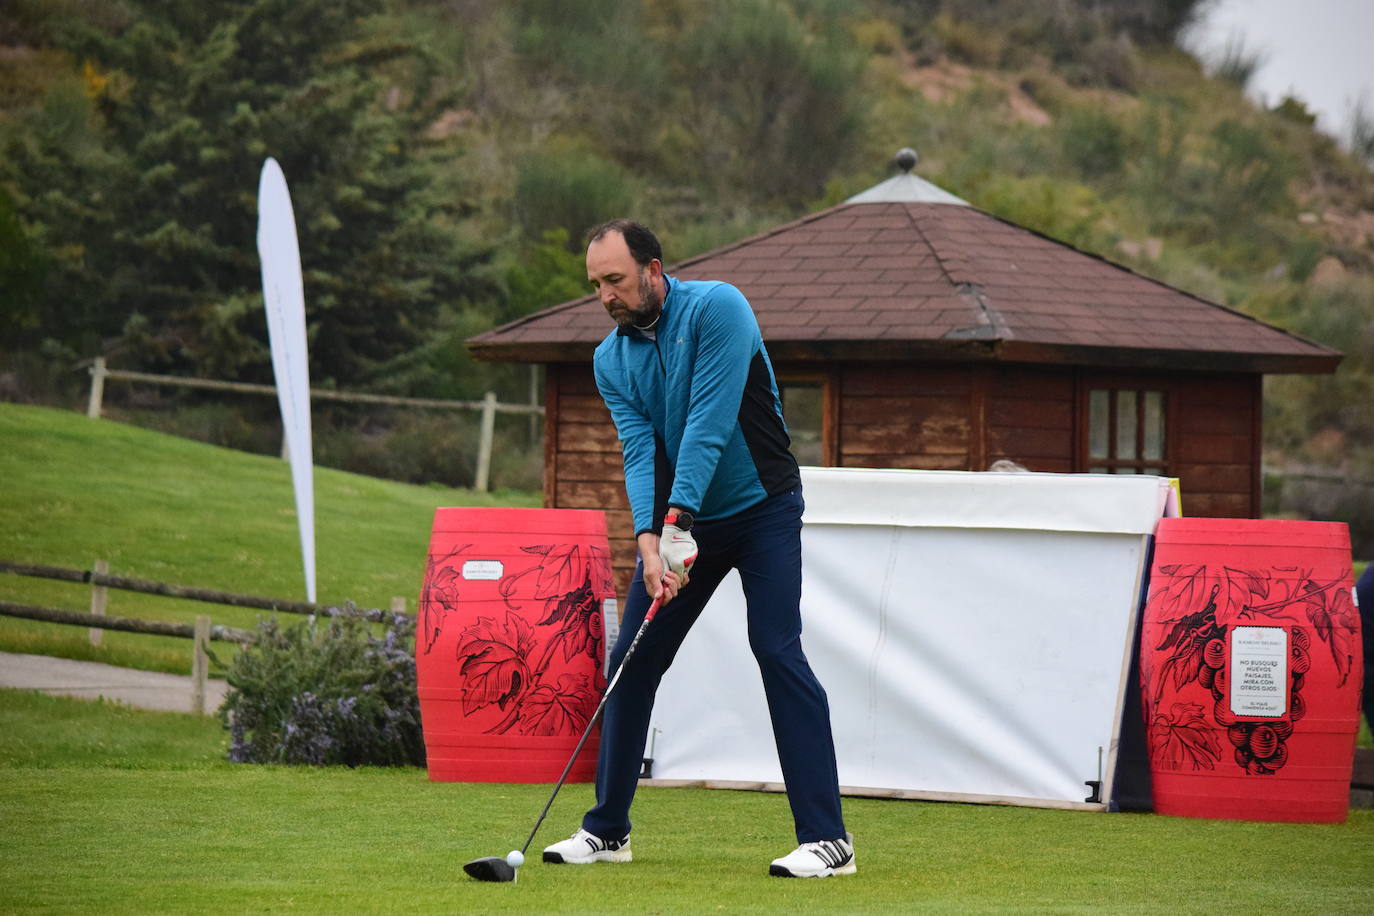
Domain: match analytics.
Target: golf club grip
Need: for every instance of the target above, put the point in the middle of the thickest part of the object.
(591, 723)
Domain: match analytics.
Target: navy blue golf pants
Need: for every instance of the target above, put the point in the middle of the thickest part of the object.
(1364, 594)
(764, 544)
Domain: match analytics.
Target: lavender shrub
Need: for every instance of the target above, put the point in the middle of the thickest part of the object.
(337, 691)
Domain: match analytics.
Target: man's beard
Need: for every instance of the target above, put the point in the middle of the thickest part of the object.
(650, 305)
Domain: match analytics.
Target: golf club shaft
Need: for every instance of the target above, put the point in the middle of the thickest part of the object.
(591, 723)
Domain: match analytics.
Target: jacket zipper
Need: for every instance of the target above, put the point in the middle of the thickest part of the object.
(659, 353)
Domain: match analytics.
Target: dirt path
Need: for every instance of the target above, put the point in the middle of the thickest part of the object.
(89, 680)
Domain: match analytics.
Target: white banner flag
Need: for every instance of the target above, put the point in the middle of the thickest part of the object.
(284, 295)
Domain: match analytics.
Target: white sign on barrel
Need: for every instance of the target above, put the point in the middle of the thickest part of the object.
(1259, 671)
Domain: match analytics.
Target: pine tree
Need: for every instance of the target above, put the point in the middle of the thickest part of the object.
(155, 234)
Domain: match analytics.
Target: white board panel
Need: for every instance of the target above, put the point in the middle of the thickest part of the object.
(979, 662)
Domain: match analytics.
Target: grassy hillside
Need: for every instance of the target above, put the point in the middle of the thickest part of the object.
(73, 490)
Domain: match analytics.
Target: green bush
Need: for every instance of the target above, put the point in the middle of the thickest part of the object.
(1236, 63)
(1361, 132)
(248, 427)
(1093, 142)
(967, 41)
(1067, 212)
(571, 190)
(407, 445)
(780, 107)
(326, 693)
(1108, 61)
(1246, 178)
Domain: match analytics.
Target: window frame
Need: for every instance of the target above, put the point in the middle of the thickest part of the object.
(830, 446)
(1164, 466)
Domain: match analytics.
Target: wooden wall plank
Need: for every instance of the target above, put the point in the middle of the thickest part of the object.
(552, 419)
(587, 437)
(919, 462)
(906, 380)
(979, 428)
(1027, 413)
(579, 381)
(1022, 445)
(591, 466)
(1216, 478)
(1201, 448)
(1215, 505)
(619, 522)
(1215, 419)
(905, 416)
(1217, 425)
(902, 409)
(1031, 417)
(591, 494)
(583, 408)
(1254, 459)
(1031, 383)
(947, 436)
(1039, 465)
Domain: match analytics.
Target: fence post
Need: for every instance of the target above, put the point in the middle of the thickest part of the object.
(200, 664)
(97, 388)
(484, 446)
(100, 596)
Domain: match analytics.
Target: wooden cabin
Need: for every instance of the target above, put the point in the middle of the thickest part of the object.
(909, 329)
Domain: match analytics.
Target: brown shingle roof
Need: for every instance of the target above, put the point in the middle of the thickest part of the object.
(897, 280)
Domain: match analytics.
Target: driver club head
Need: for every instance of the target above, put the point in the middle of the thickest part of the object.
(490, 868)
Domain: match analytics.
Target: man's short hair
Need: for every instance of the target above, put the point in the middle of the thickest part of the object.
(640, 239)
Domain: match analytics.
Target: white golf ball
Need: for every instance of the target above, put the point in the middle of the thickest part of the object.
(515, 858)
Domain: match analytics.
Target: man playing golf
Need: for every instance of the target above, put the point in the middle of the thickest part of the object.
(712, 487)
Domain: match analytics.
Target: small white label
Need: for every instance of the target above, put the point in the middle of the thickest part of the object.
(610, 629)
(483, 569)
(1258, 679)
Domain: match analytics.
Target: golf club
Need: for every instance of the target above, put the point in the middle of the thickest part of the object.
(497, 868)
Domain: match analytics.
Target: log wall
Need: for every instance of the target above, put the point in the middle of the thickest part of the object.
(951, 417)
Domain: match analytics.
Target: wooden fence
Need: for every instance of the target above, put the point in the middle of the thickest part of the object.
(489, 406)
(202, 632)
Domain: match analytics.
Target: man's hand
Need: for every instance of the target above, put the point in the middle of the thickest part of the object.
(656, 579)
(677, 550)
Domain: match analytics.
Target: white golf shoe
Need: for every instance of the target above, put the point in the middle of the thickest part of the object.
(817, 860)
(582, 848)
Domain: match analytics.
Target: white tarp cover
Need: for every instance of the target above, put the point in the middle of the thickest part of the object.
(972, 630)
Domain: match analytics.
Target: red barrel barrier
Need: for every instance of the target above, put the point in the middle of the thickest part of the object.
(1251, 665)
(508, 647)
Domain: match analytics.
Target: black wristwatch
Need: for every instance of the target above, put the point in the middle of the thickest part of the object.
(682, 519)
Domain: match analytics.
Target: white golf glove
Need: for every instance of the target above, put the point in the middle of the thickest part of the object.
(677, 549)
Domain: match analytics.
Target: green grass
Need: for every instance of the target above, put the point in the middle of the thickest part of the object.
(73, 490)
(109, 810)
(43, 732)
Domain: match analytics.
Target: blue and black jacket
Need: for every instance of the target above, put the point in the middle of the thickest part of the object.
(696, 405)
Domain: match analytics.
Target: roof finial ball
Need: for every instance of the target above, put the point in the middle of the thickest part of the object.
(907, 159)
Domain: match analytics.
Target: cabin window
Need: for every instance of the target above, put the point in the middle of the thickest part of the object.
(803, 406)
(1126, 431)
